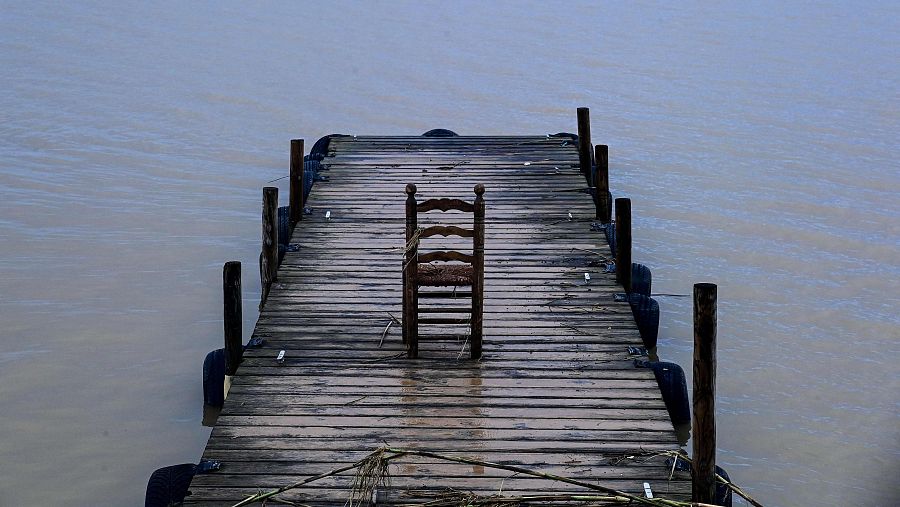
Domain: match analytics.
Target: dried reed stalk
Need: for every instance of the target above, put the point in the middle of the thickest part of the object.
(372, 473)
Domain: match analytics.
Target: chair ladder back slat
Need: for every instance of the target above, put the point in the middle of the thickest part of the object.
(446, 294)
(445, 205)
(446, 255)
(446, 230)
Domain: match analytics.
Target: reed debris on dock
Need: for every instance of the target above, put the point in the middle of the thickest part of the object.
(373, 475)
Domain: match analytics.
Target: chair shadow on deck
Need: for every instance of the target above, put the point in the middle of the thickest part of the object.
(445, 270)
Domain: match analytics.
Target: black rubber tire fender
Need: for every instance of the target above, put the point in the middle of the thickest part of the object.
(646, 315)
(610, 233)
(440, 133)
(641, 279)
(673, 386)
(214, 378)
(320, 148)
(310, 173)
(723, 492)
(168, 486)
(284, 225)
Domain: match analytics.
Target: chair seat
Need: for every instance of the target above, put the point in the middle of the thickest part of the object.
(445, 275)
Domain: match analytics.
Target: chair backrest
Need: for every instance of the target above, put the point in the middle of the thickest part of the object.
(414, 234)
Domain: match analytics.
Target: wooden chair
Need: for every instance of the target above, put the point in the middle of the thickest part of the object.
(456, 269)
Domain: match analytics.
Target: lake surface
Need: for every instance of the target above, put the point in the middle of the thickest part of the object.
(758, 144)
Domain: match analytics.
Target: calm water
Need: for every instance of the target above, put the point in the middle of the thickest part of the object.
(758, 145)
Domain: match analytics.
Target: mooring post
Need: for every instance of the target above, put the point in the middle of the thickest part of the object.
(703, 468)
(268, 259)
(601, 183)
(231, 285)
(296, 188)
(584, 141)
(623, 242)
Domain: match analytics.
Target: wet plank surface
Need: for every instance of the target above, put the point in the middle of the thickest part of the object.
(555, 390)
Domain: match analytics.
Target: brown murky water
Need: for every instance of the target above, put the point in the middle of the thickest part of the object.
(757, 143)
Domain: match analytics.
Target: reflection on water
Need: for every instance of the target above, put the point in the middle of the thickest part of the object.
(756, 142)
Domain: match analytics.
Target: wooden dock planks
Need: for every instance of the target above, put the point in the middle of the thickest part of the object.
(555, 390)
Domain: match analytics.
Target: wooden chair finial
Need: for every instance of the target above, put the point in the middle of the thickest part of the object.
(410, 189)
(479, 189)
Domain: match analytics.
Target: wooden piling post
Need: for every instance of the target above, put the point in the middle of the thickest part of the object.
(584, 141)
(601, 183)
(296, 188)
(703, 468)
(623, 242)
(232, 317)
(268, 260)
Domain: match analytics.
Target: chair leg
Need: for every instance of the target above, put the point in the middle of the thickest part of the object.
(412, 347)
(404, 322)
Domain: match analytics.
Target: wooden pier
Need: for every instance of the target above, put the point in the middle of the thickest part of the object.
(555, 391)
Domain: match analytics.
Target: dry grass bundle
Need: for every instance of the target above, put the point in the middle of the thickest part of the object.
(371, 473)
